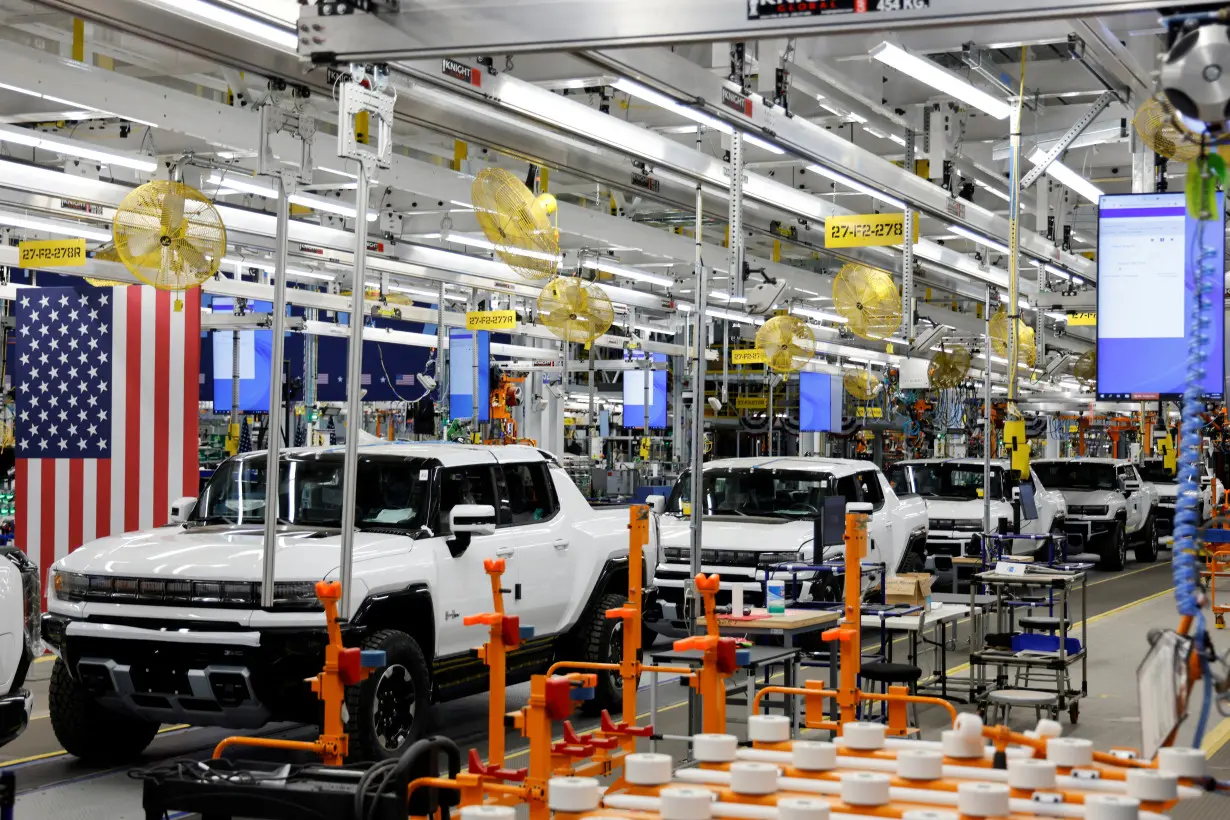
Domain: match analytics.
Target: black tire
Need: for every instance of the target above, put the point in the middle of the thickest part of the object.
(391, 708)
(1146, 548)
(1074, 713)
(1114, 548)
(602, 641)
(88, 730)
(914, 561)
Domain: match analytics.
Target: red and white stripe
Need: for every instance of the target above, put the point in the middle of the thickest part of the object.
(63, 503)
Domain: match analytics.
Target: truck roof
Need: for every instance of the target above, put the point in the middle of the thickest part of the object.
(971, 461)
(1083, 460)
(834, 466)
(447, 453)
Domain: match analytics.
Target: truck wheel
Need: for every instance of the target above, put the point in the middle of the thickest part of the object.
(89, 731)
(602, 641)
(1114, 548)
(389, 710)
(1146, 550)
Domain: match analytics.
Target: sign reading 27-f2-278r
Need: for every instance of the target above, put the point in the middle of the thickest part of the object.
(767, 9)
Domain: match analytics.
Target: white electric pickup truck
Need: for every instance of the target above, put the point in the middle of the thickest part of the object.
(165, 625)
(19, 639)
(953, 491)
(1108, 505)
(1153, 471)
(763, 511)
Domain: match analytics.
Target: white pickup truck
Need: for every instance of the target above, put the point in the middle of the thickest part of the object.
(763, 511)
(1166, 483)
(19, 639)
(1108, 505)
(165, 626)
(953, 491)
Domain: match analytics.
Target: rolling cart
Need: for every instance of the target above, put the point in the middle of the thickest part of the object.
(1033, 667)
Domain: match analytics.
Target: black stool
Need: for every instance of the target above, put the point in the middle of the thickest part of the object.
(892, 674)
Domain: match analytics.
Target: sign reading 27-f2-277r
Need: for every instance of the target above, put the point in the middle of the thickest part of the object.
(768, 9)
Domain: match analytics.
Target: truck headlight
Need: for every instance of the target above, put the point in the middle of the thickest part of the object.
(69, 586)
(777, 557)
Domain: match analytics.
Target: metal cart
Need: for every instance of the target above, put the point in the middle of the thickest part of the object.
(1044, 654)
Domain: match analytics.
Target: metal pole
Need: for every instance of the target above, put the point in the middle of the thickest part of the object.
(769, 391)
(441, 360)
(698, 399)
(274, 434)
(474, 376)
(986, 415)
(354, 389)
(648, 379)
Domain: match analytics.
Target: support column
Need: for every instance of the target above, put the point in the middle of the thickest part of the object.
(273, 433)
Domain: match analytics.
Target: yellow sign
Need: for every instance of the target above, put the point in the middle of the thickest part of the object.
(51, 253)
(1086, 319)
(753, 356)
(751, 403)
(645, 447)
(491, 320)
(869, 412)
(861, 230)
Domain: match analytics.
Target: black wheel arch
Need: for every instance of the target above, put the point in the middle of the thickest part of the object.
(409, 610)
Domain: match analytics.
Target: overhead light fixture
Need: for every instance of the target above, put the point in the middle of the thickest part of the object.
(72, 148)
(1066, 176)
(856, 185)
(991, 189)
(248, 185)
(979, 238)
(233, 22)
(485, 244)
(37, 95)
(1054, 271)
(752, 139)
(261, 264)
(664, 102)
(941, 79)
(53, 226)
(819, 314)
(726, 297)
(733, 316)
(627, 273)
(1058, 317)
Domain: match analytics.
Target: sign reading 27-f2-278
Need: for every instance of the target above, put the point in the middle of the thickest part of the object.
(768, 9)
(861, 230)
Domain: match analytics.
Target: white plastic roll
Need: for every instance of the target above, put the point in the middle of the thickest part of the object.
(983, 799)
(961, 746)
(969, 724)
(1069, 752)
(801, 808)
(647, 769)
(768, 728)
(1151, 785)
(920, 764)
(928, 814)
(747, 777)
(572, 794)
(1111, 807)
(1031, 775)
(813, 755)
(714, 748)
(865, 737)
(864, 788)
(1183, 761)
(488, 813)
(1048, 728)
(686, 803)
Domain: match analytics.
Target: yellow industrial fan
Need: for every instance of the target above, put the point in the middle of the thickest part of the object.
(1027, 351)
(1085, 370)
(169, 235)
(575, 310)
(517, 223)
(107, 253)
(862, 384)
(788, 343)
(1164, 132)
(869, 300)
(949, 366)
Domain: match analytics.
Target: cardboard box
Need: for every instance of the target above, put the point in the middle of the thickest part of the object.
(908, 588)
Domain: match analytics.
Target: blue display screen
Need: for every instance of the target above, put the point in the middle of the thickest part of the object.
(461, 390)
(634, 393)
(255, 353)
(1148, 251)
(820, 397)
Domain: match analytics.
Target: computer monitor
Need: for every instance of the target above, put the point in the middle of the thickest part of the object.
(820, 398)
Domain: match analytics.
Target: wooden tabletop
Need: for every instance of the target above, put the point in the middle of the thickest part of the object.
(790, 619)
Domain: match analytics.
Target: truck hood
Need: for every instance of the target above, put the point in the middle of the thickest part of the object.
(748, 534)
(1085, 498)
(1167, 491)
(224, 553)
(963, 510)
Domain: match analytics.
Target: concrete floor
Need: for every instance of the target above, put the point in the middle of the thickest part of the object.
(1122, 608)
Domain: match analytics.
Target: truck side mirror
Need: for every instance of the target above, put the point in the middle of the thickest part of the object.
(181, 509)
(1130, 486)
(657, 503)
(466, 520)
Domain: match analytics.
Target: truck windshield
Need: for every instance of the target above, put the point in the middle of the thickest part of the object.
(1156, 473)
(1076, 475)
(391, 492)
(777, 493)
(959, 481)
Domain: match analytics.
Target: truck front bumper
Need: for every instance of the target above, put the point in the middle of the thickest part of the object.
(1082, 532)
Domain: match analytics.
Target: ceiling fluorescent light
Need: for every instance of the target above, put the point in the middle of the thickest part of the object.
(35, 139)
(941, 79)
(249, 185)
(819, 314)
(897, 139)
(718, 313)
(752, 139)
(726, 297)
(53, 226)
(628, 273)
(662, 101)
(261, 264)
(1054, 271)
(1066, 176)
(232, 22)
(856, 185)
(979, 238)
(991, 189)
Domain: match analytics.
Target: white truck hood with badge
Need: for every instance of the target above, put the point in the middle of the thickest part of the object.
(745, 534)
(967, 509)
(221, 553)
(1092, 498)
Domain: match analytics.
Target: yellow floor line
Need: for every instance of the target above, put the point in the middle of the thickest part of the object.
(1217, 738)
(47, 755)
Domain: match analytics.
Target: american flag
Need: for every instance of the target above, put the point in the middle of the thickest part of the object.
(107, 413)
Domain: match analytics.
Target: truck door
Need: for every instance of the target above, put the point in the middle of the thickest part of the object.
(1135, 515)
(542, 543)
